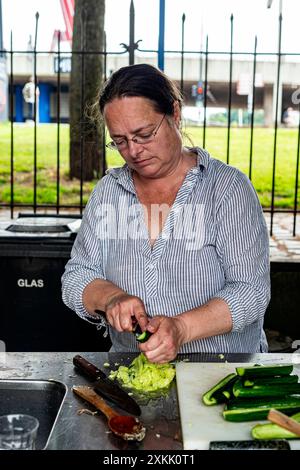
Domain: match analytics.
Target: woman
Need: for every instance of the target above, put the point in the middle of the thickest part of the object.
(174, 238)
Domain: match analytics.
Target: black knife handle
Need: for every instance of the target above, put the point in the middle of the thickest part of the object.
(88, 369)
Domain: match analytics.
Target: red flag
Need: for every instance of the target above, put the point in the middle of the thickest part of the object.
(67, 7)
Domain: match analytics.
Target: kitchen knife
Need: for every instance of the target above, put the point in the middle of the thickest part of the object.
(276, 444)
(106, 387)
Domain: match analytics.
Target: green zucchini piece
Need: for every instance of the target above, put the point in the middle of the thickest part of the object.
(143, 337)
(262, 371)
(284, 379)
(239, 410)
(215, 395)
(140, 336)
(273, 431)
(280, 390)
(227, 394)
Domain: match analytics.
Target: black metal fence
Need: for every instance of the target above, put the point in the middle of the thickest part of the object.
(206, 57)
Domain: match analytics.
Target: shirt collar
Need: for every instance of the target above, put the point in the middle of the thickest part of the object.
(124, 177)
(203, 158)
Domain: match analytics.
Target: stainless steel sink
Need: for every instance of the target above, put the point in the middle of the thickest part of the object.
(40, 398)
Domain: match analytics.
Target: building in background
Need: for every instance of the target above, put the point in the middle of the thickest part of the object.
(217, 97)
(48, 66)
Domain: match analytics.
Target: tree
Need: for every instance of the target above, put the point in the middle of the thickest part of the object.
(86, 134)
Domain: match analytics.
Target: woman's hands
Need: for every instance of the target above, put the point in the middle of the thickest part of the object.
(168, 336)
(120, 309)
(167, 333)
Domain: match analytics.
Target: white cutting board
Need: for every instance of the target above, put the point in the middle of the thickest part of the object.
(201, 424)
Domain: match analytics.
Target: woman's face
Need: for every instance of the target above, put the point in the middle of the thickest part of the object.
(135, 118)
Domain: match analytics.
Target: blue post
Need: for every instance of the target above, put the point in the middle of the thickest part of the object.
(161, 35)
(19, 115)
(44, 102)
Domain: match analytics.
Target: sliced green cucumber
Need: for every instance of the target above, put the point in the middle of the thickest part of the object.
(218, 393)
(273, 431)
(143, 337)
(284, 379)
(280, 390)
(253, 409)
(262, 371)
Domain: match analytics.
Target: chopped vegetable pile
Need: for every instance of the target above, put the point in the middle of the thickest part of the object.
(145, 376)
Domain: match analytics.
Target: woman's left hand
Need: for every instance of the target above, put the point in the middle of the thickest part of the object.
(168, 334)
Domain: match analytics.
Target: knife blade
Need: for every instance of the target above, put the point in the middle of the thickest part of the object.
(261, 444)
(105, 387)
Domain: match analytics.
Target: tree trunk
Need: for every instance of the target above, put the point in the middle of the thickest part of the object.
(86, 135)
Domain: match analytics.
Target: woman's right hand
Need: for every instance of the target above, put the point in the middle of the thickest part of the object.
(120, 309)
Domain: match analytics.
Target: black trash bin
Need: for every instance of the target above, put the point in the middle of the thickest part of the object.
(33, 317)
(282, 314)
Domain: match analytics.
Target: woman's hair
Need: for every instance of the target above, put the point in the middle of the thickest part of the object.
(145, 81)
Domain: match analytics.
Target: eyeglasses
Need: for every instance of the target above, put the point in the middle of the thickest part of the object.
(143, 139)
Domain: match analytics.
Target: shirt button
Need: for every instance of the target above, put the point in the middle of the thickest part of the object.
(151, 266)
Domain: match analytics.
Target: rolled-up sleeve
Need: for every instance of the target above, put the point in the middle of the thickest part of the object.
(243, 247)
(86, 262)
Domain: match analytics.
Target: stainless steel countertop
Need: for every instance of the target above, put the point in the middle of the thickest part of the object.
(73, 431)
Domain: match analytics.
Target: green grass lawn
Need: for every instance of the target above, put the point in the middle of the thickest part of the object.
(216, 144)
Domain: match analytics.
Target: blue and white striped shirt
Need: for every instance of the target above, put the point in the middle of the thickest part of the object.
(220, 250)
